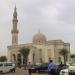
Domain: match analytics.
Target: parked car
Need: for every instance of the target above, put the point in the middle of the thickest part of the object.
(7, 67)
(33, 69)
(40, 68)
(70, 70)
(64, 72)
(61, 68)
(44, 68)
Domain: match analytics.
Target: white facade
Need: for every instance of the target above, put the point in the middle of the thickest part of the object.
(41, 49)
(43, 52)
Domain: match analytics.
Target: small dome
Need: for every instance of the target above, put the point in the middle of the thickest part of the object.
(39, 38)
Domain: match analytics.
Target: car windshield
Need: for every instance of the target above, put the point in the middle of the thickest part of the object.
(8, 64)
(73, 63)
(44, 64)
(1, 65)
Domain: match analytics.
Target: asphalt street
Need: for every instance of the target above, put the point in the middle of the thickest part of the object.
(22, 72)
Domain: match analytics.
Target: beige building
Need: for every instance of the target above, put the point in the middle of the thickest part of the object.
(41, 49)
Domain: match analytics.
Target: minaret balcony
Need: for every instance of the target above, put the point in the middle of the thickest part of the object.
(14, 31)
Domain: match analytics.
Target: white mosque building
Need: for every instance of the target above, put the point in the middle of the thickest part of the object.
(41, 49)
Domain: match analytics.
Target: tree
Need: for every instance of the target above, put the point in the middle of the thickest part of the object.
(3, 58)
(25, 52)
(64, 53)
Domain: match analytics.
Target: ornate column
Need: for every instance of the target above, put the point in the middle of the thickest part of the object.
(33, 57)
(46, 55)
(21, 59)
(30, 57)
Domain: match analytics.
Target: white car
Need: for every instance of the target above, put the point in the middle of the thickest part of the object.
(70, 70)
(64, 72)
(7, 67)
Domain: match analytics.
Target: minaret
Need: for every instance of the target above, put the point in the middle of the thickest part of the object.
(14, 30)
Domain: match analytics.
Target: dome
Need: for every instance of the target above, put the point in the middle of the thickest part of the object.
(39, 38)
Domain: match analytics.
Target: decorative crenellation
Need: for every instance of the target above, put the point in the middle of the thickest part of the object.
(57, 42)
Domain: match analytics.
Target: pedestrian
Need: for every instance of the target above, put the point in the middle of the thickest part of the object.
(52, 68)
(29, 66)
(60, 66)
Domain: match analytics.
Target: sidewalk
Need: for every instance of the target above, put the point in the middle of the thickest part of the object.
(26, 72)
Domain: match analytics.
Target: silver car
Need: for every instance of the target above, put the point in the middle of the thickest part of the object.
(7, 67)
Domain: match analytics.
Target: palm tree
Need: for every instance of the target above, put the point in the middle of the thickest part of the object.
(64, 53)
(25, 52)
(3, 58)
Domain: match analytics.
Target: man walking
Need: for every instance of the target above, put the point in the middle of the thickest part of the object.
(29, 66)
(52, 68)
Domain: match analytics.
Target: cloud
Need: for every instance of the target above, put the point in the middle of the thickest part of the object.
(55, 18)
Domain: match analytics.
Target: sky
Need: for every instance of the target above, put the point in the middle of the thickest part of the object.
(54, 18)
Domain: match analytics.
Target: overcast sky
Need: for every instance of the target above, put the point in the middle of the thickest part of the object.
(54, 18)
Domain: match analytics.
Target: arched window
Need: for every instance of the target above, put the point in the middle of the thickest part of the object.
(59, 59)
(19, 59)
(33, 57)
(40, 53)
(13, 57)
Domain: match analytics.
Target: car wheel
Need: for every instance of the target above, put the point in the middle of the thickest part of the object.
(10, 70)
(37, 71)
(1, 73)
(14, 70)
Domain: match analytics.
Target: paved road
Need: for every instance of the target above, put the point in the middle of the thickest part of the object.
(22, 72)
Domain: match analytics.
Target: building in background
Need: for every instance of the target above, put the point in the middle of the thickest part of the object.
(41, 49)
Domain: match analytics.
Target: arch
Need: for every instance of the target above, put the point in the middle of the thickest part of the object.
(40, 53)
(59, 59)
(33, 57)
(13, 57)
(19, 59)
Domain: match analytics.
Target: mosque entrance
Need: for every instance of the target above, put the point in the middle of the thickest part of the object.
(19, 60)
(13, 58)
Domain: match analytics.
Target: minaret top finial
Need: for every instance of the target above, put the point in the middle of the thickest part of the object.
(15, 11)
(15, 7)
(39, 30)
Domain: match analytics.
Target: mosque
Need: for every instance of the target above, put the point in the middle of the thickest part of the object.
(41, 49)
